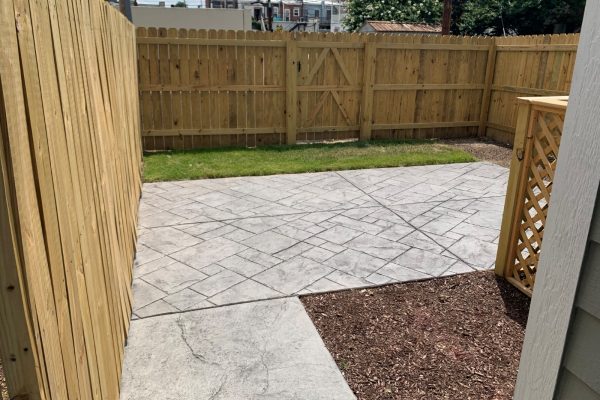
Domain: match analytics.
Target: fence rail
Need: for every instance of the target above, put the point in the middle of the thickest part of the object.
(221, 88)
(535, 154)
(70, 158)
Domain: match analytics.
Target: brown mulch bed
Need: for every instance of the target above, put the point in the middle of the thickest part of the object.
(484, 150)
(447, 338)
(3, 390)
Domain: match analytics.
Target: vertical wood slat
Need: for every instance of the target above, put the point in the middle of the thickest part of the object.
(291, 107)
(24, 370)
(70, 180)
(489, 80)
(366, 118)
(155, 96)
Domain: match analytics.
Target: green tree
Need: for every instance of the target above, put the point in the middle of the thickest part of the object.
(457, 12)
(428, 11)
(180, 4)
(516, 17)
(564, 15)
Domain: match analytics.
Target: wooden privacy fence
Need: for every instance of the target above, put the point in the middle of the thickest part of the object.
(535, 154)
(527, 66)
(224, 88)
(70, 159)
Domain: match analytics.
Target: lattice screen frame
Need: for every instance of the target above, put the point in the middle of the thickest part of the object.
(535, 155)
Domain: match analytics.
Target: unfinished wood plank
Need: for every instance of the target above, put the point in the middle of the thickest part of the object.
(291, 108)
(213, 42)
(426, 125)
(214, 131)
(489, 81)
(537, 47)
(342, 66)
(22, 369)
(366, 117)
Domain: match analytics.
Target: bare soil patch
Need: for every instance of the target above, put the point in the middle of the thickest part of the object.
(448, 338)
(484, 150)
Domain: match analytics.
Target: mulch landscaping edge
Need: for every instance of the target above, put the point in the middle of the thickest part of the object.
(442, 338)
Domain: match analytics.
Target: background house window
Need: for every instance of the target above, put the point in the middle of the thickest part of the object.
(329, 15)
(286, 14)
(276, 11)
(296, 12)
(317, 14)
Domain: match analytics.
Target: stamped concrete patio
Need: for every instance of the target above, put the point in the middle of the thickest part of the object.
(209, 243)
(220, 261)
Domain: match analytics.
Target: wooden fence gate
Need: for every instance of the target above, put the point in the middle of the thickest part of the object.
(202, 89)
(537, 141)
(329, 79)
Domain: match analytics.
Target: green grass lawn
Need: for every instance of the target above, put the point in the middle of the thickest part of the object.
(220, 163)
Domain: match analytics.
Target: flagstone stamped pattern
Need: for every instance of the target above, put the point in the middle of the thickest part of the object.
(208, 243)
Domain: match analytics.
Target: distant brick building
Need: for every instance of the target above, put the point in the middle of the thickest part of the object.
(222, 4)
(307, 10)
(290, 11)
(317, 12)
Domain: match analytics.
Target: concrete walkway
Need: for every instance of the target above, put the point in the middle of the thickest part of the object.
(219, 259)
(260, 350)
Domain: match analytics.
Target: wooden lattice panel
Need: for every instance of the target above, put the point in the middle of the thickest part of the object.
(540, 155)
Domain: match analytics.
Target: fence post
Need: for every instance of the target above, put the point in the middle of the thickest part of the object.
(366, 116)
(511, 203)
(487, 92)
(291, 95)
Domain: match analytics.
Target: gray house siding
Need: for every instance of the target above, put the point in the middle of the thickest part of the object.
(573, 388)
(580, 372)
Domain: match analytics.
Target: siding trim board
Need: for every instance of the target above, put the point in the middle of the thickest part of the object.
(569, 219)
